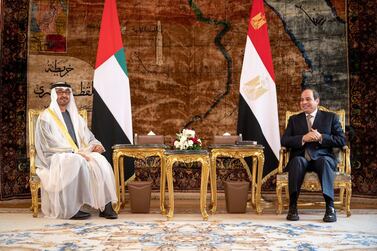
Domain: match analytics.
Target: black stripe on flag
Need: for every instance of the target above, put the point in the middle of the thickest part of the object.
(250, 129)
(107, 130)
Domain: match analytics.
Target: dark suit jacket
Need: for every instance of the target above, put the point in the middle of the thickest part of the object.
(327, 123)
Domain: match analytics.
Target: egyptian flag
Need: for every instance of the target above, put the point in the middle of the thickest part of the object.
(112, 119)
(258, 113)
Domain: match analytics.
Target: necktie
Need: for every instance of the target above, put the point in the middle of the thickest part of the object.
(309, 122)
(307, 152)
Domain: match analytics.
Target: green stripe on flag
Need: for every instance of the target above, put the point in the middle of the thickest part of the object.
(121, 58)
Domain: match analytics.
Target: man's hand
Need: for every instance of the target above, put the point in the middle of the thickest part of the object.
(98, 149)
(312, 136)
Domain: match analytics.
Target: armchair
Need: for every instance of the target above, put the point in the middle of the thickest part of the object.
(34, 180)
(311, 182)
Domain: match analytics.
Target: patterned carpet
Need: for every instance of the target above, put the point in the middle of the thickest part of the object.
(189, 232)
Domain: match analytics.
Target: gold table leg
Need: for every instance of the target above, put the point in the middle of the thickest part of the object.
(203, 189)
(123, 186)
(259, 183)
(162, 186)
(117, 185)
(213, 180)
(169, 177)
(253, 181)
(251, 174)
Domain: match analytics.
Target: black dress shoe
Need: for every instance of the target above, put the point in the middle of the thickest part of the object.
(330, 215)
(80, 215)
(292, 214)
(109, 212)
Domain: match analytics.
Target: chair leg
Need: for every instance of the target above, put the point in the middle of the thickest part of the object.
(34, 198)
(342, 199)
(286, 194)
(348, 199)
(280, 200)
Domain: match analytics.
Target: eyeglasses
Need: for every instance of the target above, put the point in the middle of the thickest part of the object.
(61, 91)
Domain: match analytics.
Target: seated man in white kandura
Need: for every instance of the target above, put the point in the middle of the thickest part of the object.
(69, 162)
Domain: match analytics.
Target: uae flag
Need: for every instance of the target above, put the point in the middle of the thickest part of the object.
(112, 118)
(258, 113)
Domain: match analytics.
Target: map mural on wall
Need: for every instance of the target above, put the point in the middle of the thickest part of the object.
(43, 71)
(184, 58)
(184, 61)
(318, 29)
(48, 25)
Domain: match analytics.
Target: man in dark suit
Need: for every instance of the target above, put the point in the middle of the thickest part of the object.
(311, 136)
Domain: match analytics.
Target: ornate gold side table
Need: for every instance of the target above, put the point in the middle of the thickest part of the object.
(136, 151)
(240, 152)
(187, 156)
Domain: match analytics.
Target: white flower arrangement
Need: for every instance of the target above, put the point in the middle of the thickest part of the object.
(187, 140)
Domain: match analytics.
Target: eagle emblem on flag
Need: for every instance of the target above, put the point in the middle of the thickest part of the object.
(258, 21)
(255, 88)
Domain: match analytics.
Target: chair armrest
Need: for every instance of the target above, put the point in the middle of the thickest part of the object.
(347, 159)
(32, 160)
(343, 157)
(283, 158)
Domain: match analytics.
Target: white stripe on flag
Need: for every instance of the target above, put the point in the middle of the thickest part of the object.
(262, 102)
(112, 85)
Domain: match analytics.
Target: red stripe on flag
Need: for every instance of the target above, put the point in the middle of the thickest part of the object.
(110, 38)
(258, 35)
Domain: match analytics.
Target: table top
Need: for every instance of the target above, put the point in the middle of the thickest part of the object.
(193, 152)
(129, 146)
(175, 151)
(235, 146)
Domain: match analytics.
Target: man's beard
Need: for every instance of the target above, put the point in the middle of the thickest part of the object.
(63, 101)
